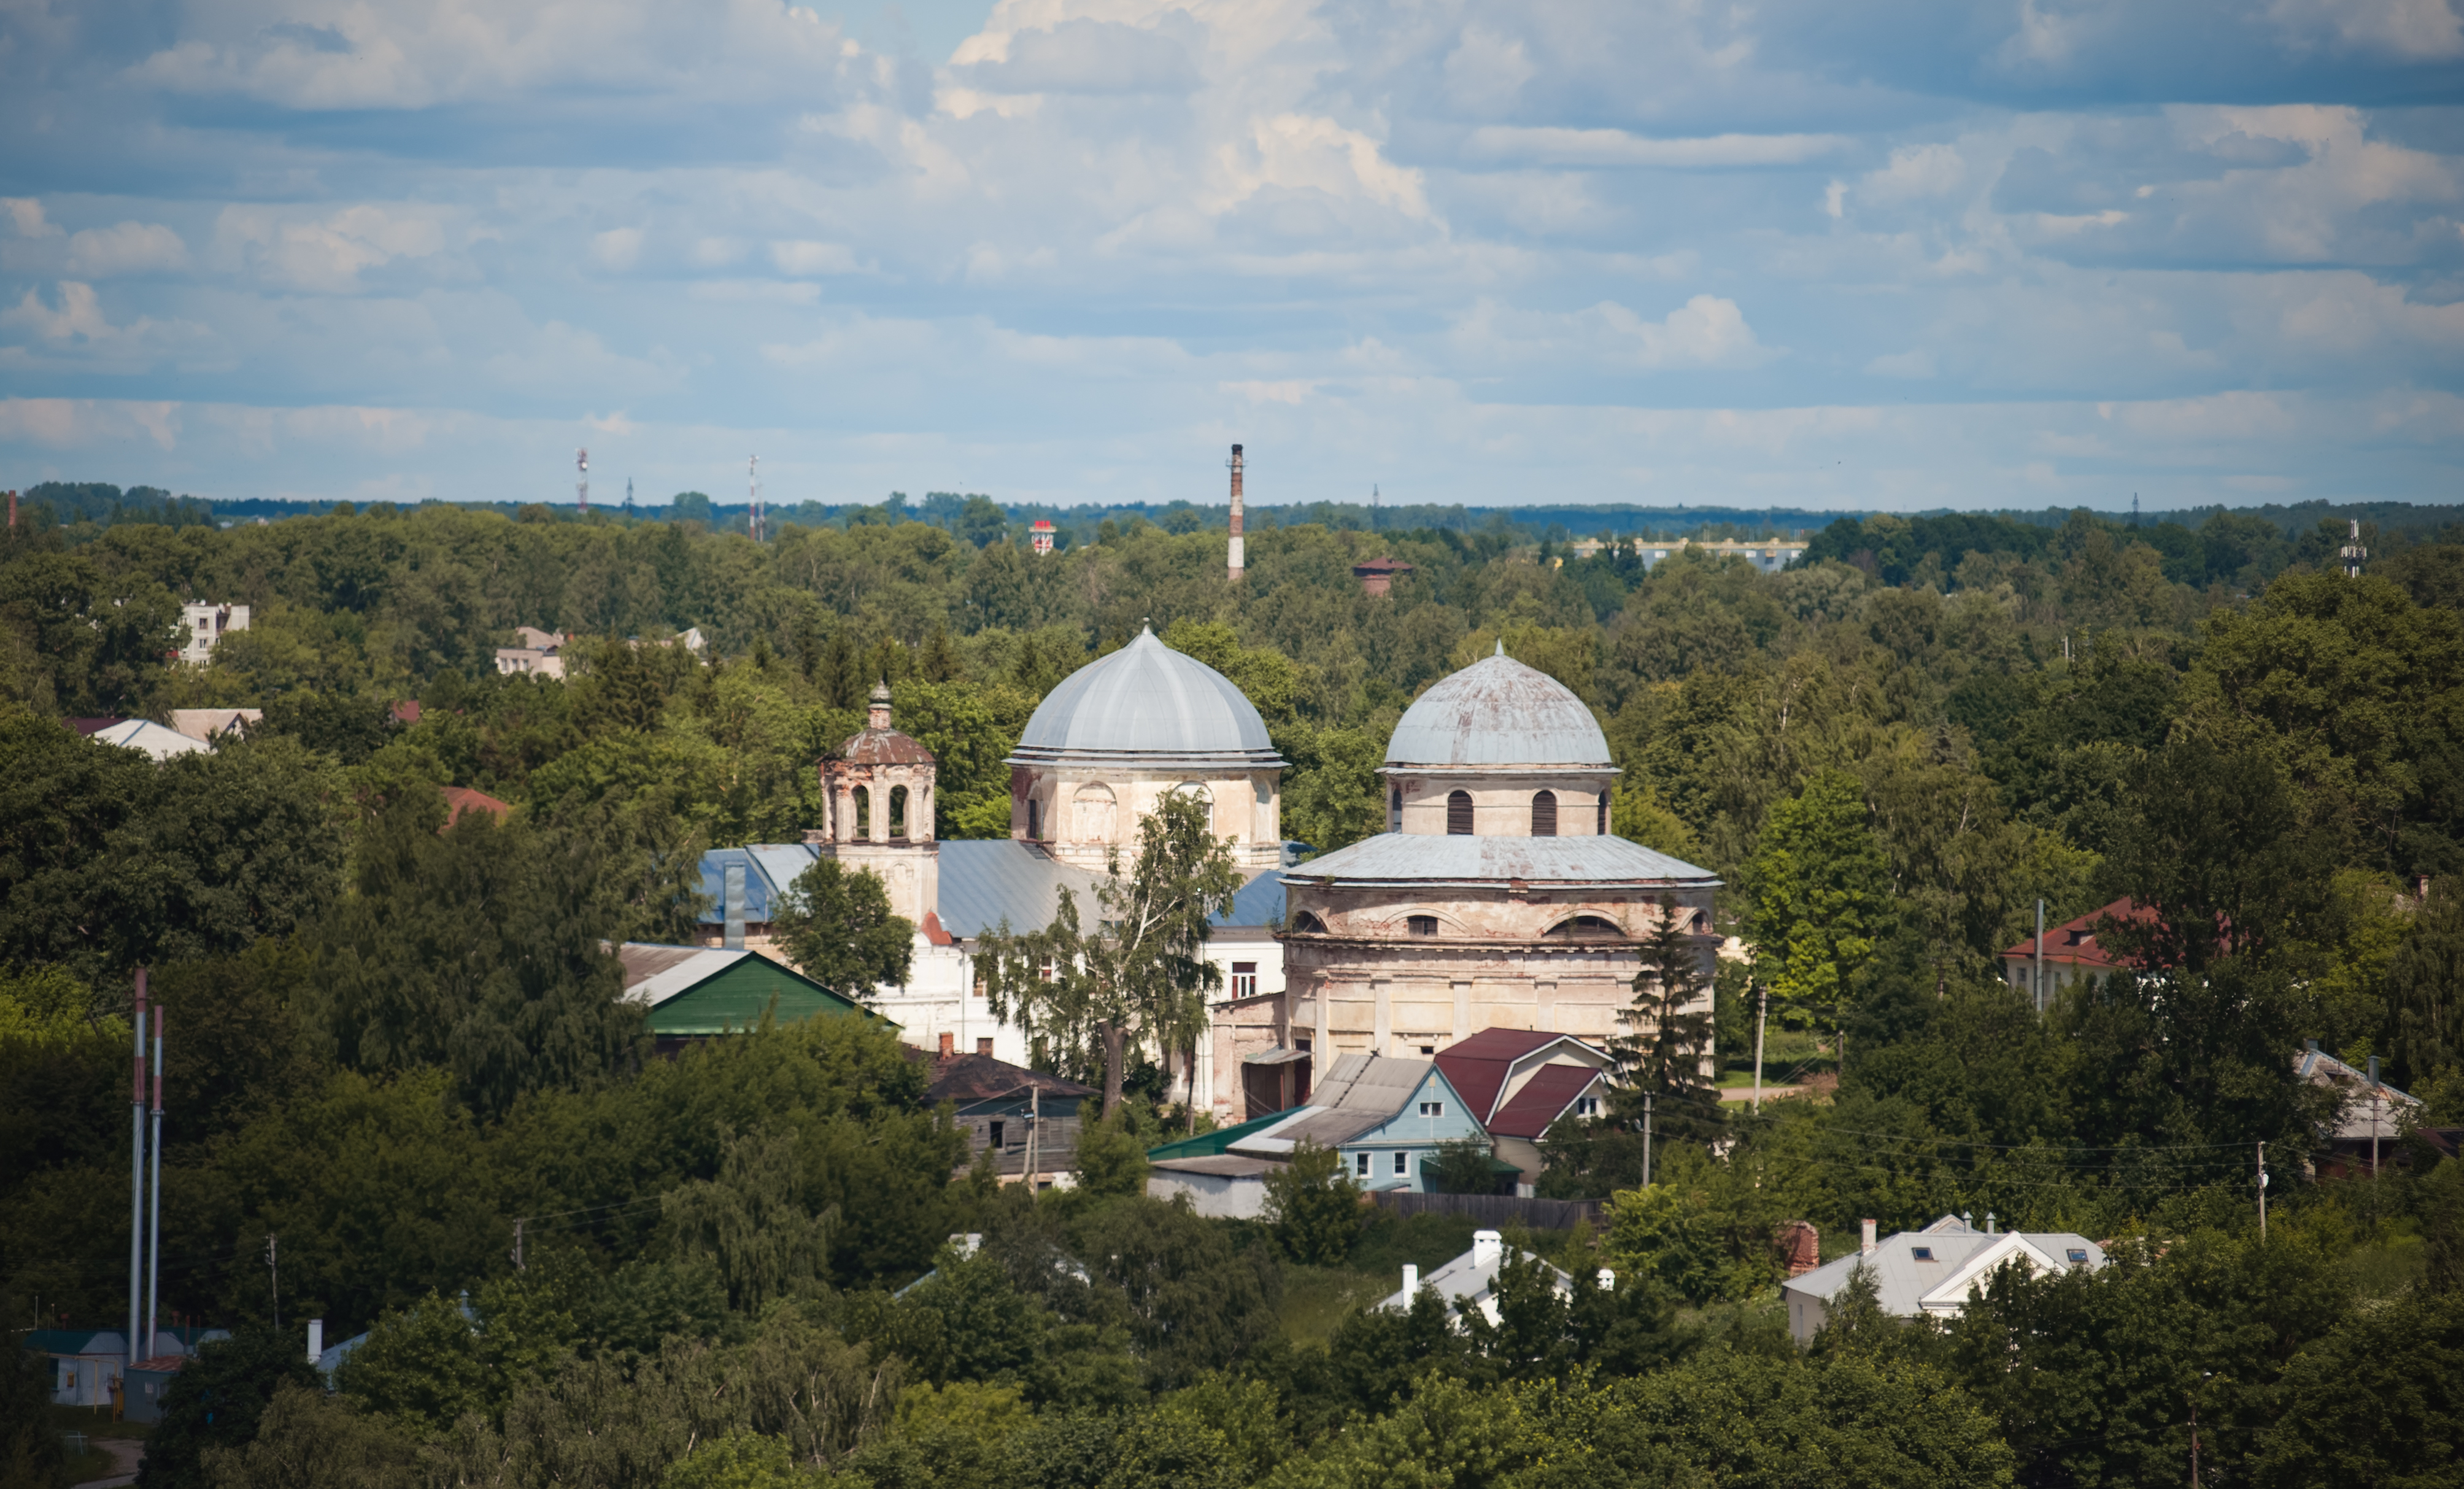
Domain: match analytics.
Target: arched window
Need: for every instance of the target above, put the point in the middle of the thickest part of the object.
(1584, 928)
(898, 807)
(1095, 813)
(1034, 820)
(862, 814)
(1394, 807)
(1307, 923)
(1603, 827)
(1420, 925)
(1204, 799)
(1459, 814)
(1543, 815)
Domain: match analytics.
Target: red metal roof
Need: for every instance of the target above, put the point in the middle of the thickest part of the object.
(1476, 1065)
(884, 747)
(1543, 1099)
(2073, 942)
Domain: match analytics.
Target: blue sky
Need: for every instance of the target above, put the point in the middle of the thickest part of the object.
(1898, 254)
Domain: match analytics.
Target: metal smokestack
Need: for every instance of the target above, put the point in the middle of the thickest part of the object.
(1237, 560)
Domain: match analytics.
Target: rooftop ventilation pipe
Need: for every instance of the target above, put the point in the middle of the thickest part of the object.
(1866, 1237)
(734, 907)
(1411, 1282)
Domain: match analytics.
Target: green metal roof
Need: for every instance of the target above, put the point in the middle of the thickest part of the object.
(1214, 1144)
(700, 991)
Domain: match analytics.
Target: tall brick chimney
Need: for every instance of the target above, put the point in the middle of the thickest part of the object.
(1238, 560)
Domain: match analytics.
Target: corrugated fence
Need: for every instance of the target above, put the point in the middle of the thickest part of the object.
(1495, 1210)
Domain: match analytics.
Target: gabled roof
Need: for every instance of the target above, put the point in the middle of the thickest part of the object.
(459, 799)
(975, 1077)
(2359, 1118)
(152, 738)
(655, 974)
(1479, 1066)
(1214, 1144)
(1958, 1260)
(2073, 942)
(695, 990)
(1542, 1101)
(76, 1341)
(1361, 1092)
(1469, 1278)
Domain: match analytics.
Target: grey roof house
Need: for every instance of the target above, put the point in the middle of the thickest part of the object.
(1933, 1272)
(1469, 1283)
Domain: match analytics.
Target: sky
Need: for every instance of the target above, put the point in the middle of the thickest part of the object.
(1895, 254)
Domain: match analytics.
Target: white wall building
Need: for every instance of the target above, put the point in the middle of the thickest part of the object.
(208, 624)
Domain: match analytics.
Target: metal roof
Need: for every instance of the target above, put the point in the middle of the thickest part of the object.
(1907, 1284)
(1542, 1101)
(1465, 1281)
(656, 973)
(1498, 713)
(1146, 703)
(975, 1077)
(985, 883)
(1406, 860)
(1359, 1092)
(150, 737)
(1477, 1066)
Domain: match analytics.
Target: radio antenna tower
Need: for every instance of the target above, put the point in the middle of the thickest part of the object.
(581, 487)
(629, 495)
(755, 478)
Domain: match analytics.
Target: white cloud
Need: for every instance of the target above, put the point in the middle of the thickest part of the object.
(1556, 147)
(2413, 30)
(1916, 172)
(129, 248)
(618, 247)
(1706, 332)
(26, 216)
(325, 254)
(806, 257)
(1915, 363)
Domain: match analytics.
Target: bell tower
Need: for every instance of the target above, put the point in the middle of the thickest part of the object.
(880, 796)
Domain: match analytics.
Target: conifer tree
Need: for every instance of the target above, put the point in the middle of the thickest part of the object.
(1662, 1057)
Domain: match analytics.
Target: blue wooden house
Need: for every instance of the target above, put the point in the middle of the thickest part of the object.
(1385, 1116)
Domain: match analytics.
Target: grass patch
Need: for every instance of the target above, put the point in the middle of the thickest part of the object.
(1318, 1298)
(96, 1422)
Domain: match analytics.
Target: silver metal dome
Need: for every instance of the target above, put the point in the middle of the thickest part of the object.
(1498, 713)
(1147, 704)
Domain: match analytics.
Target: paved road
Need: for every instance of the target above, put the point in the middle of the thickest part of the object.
(124, 1453)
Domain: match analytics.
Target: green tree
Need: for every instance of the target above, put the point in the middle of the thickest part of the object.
(1662, 1057)
(837, 927)
(484, 949)
(2375, 1402)
(217, 1400)
(309, 1440)
(2426, 984)
(1141, 978)
(1111, 1158)
(1465, 1166)
(1314, 1207)
(752, 1221)
(1818, 899)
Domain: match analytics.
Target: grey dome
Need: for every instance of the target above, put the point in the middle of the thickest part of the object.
(1146, 703)
(1498, 713)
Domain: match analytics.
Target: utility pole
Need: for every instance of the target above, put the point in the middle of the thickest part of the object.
(2376, 1107)
(137, 1173)
(154, 1242)
(1646, 1140)
(1761, 1015)
(2262, 1192)
(582, 481)
(517, 1245)
(274, 1264)
(2194, 1442)
(2037, 994)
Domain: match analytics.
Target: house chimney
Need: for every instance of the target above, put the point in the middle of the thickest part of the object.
(734, 908)
(1237, 560)
(1607, 1278)
(878, 715)
(1866, 1237)
(316, 1339)
(949, 1044)
(1411, 1282)
(1487, 1248)
(1990, 1227)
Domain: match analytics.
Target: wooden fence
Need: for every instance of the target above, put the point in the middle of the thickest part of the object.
(1493, 1211)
